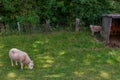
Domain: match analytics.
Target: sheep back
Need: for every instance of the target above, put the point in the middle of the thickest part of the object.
(18, 55)
(95, 28)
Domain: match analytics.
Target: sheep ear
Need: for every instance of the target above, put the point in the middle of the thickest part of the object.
(13, 52)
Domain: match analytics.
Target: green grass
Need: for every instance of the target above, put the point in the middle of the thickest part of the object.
(60, 56)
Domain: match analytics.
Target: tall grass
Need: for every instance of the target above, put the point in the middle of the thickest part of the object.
(60, 56)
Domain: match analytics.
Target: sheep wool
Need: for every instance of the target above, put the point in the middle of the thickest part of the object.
(20, 56)
(95, 28)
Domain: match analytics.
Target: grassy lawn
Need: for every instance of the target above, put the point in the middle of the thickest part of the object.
(60, 56)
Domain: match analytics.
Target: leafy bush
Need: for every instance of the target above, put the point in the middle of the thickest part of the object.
(60, 13)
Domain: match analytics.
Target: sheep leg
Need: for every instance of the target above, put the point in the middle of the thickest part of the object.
(12, 62)
(21, 65)
(16, 63)
(101, 33)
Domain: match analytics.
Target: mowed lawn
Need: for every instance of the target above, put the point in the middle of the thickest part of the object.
(60, 56)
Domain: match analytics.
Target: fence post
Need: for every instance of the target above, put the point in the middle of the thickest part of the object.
(47, 26)
(2, 27)
(18, 26)
(77, 24)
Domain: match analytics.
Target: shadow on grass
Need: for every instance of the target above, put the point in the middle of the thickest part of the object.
(89, 66)
(62, 62)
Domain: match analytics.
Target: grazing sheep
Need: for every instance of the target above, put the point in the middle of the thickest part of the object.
(95, 29)
(20, 56)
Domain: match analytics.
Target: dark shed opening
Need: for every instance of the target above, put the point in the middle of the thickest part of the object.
(111, 29)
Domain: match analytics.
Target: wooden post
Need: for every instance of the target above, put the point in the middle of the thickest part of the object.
(18, 26)
(47, 26)
(2, 27)
(77, 25)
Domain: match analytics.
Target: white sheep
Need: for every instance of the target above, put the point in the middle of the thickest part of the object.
(20, 56)
(95, 28)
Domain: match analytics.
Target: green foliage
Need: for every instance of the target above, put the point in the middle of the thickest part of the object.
(31, 17)
(60, 13)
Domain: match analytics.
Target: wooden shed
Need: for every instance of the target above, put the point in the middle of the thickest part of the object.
(111, 28)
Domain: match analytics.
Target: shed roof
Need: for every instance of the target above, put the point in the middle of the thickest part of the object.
(112, 15)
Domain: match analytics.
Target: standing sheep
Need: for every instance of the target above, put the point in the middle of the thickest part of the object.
(95, 29)
(20, 56)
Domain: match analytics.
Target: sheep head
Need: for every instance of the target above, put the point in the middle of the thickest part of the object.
(91, 26)
(31, 65)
